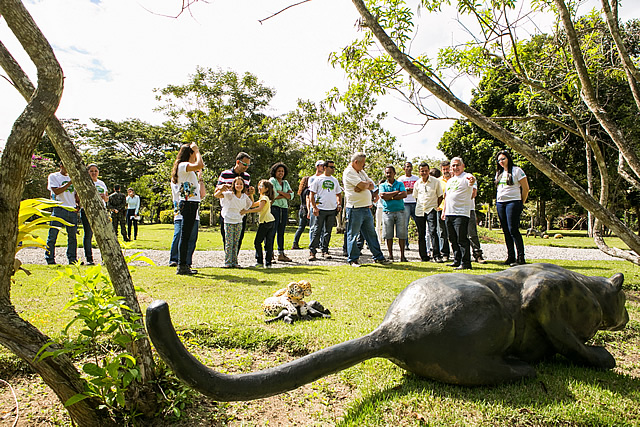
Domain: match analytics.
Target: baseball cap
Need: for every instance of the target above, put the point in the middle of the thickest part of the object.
(320, 163)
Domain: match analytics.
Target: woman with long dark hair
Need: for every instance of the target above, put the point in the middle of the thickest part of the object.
(513, 190)
(280, 205)
(184, 175)
(303, 213)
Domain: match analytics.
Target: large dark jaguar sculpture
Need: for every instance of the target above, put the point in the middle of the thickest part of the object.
(455, 328)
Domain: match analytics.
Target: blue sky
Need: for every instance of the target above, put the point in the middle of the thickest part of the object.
(114, 53)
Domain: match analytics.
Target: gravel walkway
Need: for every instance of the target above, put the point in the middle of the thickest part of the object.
(492, 252)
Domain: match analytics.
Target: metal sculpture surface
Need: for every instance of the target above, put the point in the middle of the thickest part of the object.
(454, 328)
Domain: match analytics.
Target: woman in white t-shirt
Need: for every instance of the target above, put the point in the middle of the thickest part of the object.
(234, 198)
(183, 173)
(513, 189)
(88, 232)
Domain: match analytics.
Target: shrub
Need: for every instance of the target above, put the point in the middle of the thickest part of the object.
(166, 216)
(205, 218)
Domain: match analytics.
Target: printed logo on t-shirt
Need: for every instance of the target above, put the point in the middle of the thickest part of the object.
(69, 189)
(328, 185)
(187, 190)
(453, 184)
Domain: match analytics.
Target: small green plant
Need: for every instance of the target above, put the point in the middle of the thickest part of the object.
(103, 336)
(32, 216)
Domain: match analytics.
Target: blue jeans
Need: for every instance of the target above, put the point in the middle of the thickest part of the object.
(282, 216)
(360, 220)
(409, 212)
(175, 244)
(473, 235)
(509, 214)
(458, 229)
(444, 236)
(88, 236)
(423, 248)
(325, 220)
(303, 221)
(72, 245)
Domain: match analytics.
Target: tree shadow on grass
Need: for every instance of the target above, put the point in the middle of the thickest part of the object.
(558, 384)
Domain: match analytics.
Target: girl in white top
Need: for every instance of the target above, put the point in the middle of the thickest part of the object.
(183, 173)
(513, 190)
(233, 199)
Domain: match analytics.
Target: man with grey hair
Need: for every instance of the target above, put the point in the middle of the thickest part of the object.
(457, 207)
(357, 188)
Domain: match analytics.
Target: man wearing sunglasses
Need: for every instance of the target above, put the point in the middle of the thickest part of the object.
(325, 198)
(243, 161)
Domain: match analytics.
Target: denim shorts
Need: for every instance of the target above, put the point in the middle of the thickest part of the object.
(397, 219)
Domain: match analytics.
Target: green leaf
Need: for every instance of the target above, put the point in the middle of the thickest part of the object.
(75, 399)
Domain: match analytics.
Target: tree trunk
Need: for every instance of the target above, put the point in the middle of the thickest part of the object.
(517, 144)
(107, 241)
(16, 334)
(111, 252)
(589, 186)
(589, 97)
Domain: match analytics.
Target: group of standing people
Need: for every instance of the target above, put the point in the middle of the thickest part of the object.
(120, 206)
(441, 203)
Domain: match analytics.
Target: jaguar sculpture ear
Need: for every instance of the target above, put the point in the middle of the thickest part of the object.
(617, 280)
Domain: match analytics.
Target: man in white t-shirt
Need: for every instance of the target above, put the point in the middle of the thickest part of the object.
(312, 219)
(457, 207)
(357, 188)
(409, 180)
(325, 200)
(61, 188)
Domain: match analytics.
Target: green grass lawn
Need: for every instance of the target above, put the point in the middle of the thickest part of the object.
(218, 314)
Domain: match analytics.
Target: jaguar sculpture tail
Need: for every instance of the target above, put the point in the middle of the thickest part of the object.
(254, 385)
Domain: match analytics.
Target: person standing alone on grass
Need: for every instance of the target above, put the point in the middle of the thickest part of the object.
(513, 190)
(428, 193)
(61, 188)
(357, 188)
(88, 232)
(266, 223)
(280, 205)
(408, 179)
(233, 200)
(133, 209)
(243, 161)
(184, 174)
(457, 204)
(324, 198)
(392, 193)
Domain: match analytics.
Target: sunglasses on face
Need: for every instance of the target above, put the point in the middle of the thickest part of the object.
(332, 166)
(243, 163)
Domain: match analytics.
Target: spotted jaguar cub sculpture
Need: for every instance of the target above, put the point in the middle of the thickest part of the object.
(287, 304)
(455, 328)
